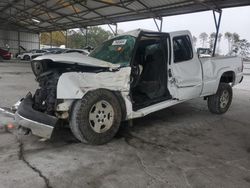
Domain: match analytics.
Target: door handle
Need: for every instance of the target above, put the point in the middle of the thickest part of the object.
(172, 80)
(170, 73)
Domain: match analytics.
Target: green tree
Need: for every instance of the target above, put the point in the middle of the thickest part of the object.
(95, 36)
(219, 41)
(229, 37)
(58, 38)
(212, 40)
(203, 37)
(241, 47)
(194, 40)
(235, 38)
(244, 48)
(75, 39)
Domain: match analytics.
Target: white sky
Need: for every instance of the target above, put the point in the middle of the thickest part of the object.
(233, 20)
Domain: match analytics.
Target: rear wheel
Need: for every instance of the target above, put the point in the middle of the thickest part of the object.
(96, 118)
(221, 101)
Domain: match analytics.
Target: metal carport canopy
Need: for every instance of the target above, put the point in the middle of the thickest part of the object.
(52, 15)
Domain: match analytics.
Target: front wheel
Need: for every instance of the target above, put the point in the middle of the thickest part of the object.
(96, 118)
(26, 58)
(221, 101)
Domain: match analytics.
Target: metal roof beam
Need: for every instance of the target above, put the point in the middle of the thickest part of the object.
(9, 5)
(92, 10)
(149, 9)
(13, 24)
(159, 27)
(40, 4)
(113, 31)
(26, 9)
(217, 26)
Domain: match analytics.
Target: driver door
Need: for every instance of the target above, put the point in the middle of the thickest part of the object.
(185, 78)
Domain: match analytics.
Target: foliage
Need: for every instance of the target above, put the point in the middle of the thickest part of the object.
(211, 42)
(194, 41)
(241, 47)
(232, 39)
(58, 38)
(203, 37)
(95, 36)
(77, 38)
(212, 37)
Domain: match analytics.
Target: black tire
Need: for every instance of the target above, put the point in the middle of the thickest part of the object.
(216, 104)
(83, 127)
(26, 58)
(38, 67)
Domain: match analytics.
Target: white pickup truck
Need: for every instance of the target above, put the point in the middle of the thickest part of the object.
(127, 77)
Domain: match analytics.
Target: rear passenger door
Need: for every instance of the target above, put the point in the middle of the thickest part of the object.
(185, 72)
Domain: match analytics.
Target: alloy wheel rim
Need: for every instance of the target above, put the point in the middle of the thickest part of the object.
(224, 99)
(101, 116)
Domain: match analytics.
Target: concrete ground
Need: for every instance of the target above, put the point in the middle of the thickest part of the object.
(183, 146)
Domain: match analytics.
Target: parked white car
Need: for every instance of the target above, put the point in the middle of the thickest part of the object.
(31, 54)
(127, 77)
(81, 51)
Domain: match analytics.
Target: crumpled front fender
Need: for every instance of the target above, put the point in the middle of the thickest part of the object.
(74, 85)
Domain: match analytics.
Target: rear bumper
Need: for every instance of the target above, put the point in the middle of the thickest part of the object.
(39, 123)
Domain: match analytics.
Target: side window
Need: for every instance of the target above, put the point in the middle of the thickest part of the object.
(183, 50)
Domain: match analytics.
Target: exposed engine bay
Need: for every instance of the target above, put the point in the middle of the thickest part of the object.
(47, 75)
(45, 97)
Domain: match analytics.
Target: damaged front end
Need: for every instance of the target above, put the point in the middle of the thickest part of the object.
(37, 112)
(40, 123)
(59, 87)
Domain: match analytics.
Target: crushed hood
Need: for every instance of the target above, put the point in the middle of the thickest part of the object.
(77, 58)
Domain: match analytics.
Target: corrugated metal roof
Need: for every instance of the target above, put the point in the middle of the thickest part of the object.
(51, 15)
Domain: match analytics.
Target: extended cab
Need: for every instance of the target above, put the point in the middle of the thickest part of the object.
(127, 77)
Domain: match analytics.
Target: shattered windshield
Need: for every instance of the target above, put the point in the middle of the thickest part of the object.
(117, 51)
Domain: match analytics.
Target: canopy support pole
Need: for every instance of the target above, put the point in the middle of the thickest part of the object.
(18, 40)
(50, 39)
(217, 22)
(86, 36)
(66, 38)
(159, 26)
(113, 31)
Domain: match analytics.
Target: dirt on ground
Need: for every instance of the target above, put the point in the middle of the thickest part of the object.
(182, 146)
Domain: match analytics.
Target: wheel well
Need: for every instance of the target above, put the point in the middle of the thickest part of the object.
(227, 77)
(122, 104)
